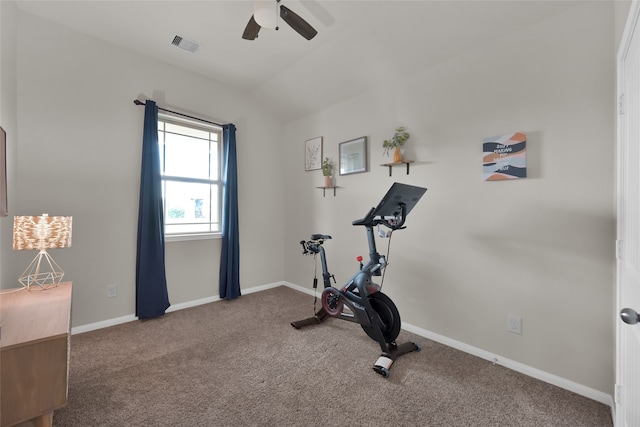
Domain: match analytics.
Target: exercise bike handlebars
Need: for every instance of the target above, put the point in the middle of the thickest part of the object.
(371, 220)
(314, 245)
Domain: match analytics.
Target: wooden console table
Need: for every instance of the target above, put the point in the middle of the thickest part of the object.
(34, 359)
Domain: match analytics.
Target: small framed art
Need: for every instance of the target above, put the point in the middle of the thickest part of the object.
(353, 156)
(313, 154)
(504, 157)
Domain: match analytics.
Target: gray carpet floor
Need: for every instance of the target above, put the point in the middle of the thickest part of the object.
(240, 363)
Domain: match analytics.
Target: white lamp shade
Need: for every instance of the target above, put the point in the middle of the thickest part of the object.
(265, 13)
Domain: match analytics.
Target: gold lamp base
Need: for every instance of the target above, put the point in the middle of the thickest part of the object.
(43, 272)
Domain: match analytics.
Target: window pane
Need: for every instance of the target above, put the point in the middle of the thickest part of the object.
(187, 203)
(216, 197)
(215, 173)
(161, 147)
(197, 133)
(190, 157)
(186, 157)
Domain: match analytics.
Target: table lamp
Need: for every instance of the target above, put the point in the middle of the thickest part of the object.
(41, 233)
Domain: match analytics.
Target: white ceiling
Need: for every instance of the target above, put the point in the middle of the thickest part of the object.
(360, 43)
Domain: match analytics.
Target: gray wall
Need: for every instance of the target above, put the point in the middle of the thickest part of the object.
(475, 252)
(8, 115)
(79, 154)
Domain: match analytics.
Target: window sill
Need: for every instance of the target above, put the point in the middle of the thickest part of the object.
(186, 237)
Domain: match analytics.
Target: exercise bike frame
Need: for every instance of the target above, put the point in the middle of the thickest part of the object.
(356, 291)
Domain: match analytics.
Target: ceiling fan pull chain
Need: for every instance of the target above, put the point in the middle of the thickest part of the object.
(277, 15)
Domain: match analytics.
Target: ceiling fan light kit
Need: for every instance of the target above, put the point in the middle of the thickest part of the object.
(264, 16)
(266, 13)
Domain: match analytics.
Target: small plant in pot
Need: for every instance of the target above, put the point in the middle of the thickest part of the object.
(399, 138)
(327, 171)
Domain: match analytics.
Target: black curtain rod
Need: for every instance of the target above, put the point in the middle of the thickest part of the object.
(138, 102)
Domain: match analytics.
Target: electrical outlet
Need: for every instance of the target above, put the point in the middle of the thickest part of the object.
(112, 291)
(514, 324)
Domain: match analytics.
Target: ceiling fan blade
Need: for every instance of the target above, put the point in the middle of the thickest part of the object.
(251, 30)
(300, 25)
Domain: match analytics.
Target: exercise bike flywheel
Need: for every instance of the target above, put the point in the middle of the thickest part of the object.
(332, 302)
(388, 316)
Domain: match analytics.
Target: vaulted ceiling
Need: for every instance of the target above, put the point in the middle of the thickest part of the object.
(360, 43)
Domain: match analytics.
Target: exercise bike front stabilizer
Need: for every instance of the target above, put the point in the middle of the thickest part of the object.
(360, 299)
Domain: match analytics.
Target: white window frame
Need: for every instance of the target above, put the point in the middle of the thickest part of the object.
(178, 237)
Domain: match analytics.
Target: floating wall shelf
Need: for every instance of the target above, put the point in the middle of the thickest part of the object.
(324, 189)
(391, 165)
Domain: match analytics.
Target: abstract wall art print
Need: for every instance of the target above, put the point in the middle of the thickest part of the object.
(313, 154)
(504, 157)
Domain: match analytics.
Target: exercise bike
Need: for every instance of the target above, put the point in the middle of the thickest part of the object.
(360, 300)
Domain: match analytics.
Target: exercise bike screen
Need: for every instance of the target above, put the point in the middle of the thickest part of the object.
(398, 194)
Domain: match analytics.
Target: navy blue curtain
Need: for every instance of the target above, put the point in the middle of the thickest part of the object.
(152, 298)
(230, 256)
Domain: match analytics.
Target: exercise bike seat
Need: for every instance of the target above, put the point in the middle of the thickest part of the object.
(320, 237)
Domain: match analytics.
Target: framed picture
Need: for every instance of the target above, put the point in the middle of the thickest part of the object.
(504, 157)
(353, 156)
(313, 154)
(3, 173)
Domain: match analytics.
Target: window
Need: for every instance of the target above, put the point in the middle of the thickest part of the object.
(190, 163)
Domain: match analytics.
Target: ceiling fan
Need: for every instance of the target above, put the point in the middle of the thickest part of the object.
(265, 16)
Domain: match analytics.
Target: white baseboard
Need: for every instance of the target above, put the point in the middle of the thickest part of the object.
(502, 361)
(306, 290)
(262, 287)
(173, 307)
(507, 363)
(103, 324)
(513, 365)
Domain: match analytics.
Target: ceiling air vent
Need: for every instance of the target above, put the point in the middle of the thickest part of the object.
(185, 44)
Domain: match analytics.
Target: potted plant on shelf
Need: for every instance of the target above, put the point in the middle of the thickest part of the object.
(327, 171)
(399, 138)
